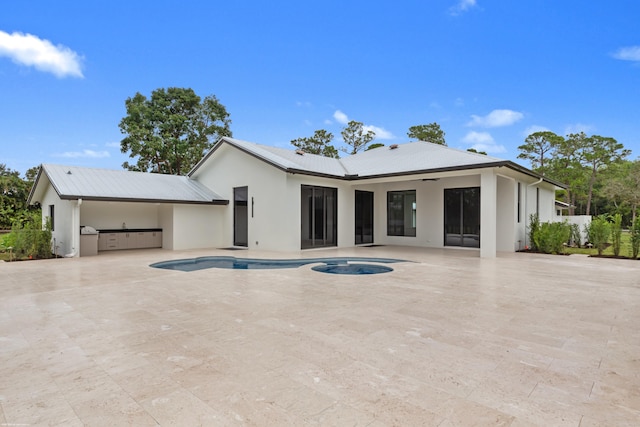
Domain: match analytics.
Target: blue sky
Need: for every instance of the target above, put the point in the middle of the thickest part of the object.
(489, 72)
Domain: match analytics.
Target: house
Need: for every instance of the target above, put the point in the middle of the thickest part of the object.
(243, 194)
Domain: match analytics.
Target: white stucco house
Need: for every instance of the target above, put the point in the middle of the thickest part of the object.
(254, 196)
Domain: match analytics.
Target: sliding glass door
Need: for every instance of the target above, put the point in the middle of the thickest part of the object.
(319, 211)
(462, 217)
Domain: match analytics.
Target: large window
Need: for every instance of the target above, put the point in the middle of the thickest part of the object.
(401, 213)
(319, 209)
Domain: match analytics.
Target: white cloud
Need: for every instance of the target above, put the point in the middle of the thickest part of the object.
(459, 102)
(303, 104)
(381, 133)
(461, 7)
(533, 129)
(496, 118)
(328, 122)
(112, 144)
(341, 117)
(630, 53)
(84, 153)
(483, 141)
(577, 128)
(29, 50)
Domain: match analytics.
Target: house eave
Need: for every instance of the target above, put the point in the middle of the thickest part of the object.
(143, 200)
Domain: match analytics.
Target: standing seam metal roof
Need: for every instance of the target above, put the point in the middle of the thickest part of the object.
(73, 182)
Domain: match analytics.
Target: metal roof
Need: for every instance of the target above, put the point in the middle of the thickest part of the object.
(404, 159)
(73, 182)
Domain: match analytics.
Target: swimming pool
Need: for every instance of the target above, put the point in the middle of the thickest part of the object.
(229, 262)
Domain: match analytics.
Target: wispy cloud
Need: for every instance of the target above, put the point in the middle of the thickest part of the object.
(381, 133)
(533, 129)
(29, 50)
(112, 144)
(630, 53)
(303, 104)
(483, 141)
(84, 153)
(496, 118)
(462, 6)
(577, 128)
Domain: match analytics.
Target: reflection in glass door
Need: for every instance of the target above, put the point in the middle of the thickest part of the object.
(319, 211)
(462, 217)
(240, 217)
(364, 217)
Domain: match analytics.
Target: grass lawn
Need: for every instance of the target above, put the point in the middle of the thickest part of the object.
(625, 247)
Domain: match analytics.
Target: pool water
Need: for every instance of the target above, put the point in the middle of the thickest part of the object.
(338, 265)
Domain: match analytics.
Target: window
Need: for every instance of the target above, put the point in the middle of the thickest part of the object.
(519, 199)
(52, 217)
(401, 213)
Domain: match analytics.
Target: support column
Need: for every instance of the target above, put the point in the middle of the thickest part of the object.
(488, 212)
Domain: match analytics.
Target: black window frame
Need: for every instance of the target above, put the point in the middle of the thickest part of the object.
(396, 204)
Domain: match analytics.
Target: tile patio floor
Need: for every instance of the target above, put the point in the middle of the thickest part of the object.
(450, 340)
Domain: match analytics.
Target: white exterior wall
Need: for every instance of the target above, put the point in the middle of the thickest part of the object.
(66, 235)
(112, 215)
(272, 207)
(196, 226)
(506, 215)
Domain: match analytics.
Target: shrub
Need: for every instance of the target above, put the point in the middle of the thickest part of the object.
(635, 238)
(30, 240)
(534, 226)
(550, 237)
(616, 233)
(576, 237)
(599, 231)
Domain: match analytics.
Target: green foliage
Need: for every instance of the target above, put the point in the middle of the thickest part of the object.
(576, 237)
(534, 226)
(473, 150)
(616, 233)
(635, 238)
(599, 231)
(356, 137)
(170, 132)
(550, 237)
(13, 196)
(319, 143)
(537, 149)
(29, 239)
(375, 145)
(429, 133)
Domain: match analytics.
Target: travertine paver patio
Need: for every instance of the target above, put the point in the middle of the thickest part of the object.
(449, 340)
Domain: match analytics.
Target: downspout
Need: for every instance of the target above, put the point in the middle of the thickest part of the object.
(526, 203)
(75, 230)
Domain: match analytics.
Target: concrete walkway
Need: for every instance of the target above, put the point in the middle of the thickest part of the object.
(449, 340)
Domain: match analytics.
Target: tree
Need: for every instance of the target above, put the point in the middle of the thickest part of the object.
(13, 197)
(473, 150)
(565, 166)
(376, 145)
(319, 143)
(430, 133)
(356, 137)
(622, 186)
(170, 132)
(538, 147)
(597, 153)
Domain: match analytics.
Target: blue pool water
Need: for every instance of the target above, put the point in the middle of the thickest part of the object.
(352, 268)
(338, 265)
